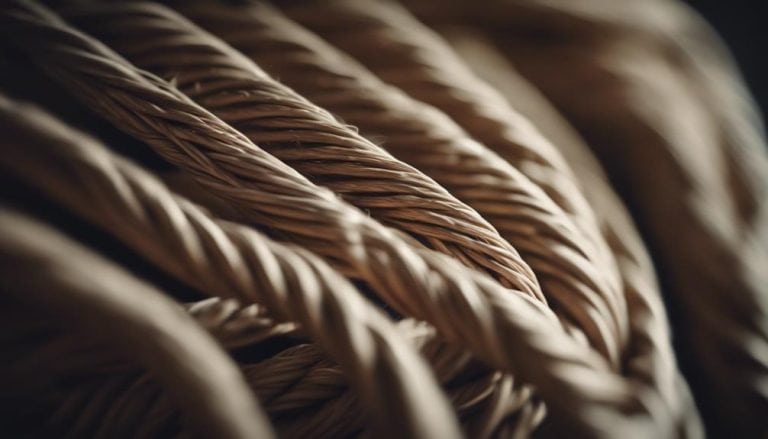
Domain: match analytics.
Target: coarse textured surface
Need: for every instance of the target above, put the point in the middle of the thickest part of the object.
(501, 327)
(226, 259)
(657, 98)
(425, 138)
(76, 287)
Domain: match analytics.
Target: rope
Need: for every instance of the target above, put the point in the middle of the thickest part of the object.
(423, 137)
(509, 331)
(226, 259)
(311, 141)
(73, 286)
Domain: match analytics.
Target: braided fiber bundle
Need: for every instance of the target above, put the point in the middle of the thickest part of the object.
(409, 55)
(229, 260)
(403, 52)
(677, 106)
(209, 254)
(226, 259)
(507, 330)
(65, 282)
(308, 138)
(651, 353)
(423, 137)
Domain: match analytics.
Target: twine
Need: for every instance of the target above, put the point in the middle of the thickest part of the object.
(678, 107)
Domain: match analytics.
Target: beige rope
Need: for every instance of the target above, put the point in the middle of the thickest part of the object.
(72, 286)
(226, 260)
(396, 47)
(509, 331)
(311, 141)
(93, 168)
(678, 108)
(650, 351)
(235, 325)
(409, 55)
(421, 136)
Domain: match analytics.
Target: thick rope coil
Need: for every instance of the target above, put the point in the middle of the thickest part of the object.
(406, 53)
(650, 352)
(413, 132)
(400, 50)
(310, 140)
(677, 106)
(113, 214)
(230, 260)
(74, 287)
(509, 331)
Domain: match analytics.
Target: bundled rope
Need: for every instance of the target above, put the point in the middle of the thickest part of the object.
(409, 55)
(507, 330)
(229, 260)
(403, 52)
(74, 287)
(650, 352)
(415, 133)
(678, 107)
(311, 141)
(222, 258)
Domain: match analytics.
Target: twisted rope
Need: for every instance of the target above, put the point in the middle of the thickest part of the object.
(137, 209)
(235, 325)
(678, 107)
(73, 286)
(419, 135)
(229, 260)
(309, 139)
(507, 330)
(387, 39)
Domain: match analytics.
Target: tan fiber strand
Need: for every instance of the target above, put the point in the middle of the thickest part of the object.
(651, 353)
(75, 287)
(235, 325)
(425, 138)
(304, 136)
(403, 52)
(678, 106)
(63, 162)
(509, 331)
(229, 260)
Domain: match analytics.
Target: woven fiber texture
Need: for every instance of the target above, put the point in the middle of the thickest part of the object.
(309, 139)
(225, 259)
(501, 327)
(425, 138)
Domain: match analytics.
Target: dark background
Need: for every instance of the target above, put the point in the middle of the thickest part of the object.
(743, 24)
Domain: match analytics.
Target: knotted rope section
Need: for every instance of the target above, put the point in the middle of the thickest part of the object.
(226, 259)
(75, 287)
